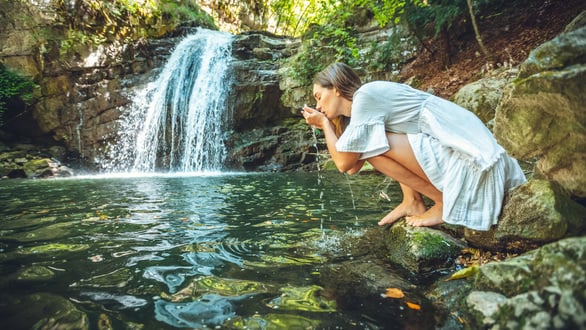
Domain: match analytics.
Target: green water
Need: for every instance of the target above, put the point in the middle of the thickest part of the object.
(164, 252)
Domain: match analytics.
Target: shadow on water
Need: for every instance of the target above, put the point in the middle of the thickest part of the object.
(177, 251)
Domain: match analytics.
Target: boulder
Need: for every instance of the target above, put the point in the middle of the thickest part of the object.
(534, 213)
(420, 249)
(481, 97)
(541, 115)
(542, 289)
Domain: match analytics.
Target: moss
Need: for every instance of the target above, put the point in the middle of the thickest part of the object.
(432, 245)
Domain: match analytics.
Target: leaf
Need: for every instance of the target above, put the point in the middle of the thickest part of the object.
(393, 293)
(463, 273)
(413, 306)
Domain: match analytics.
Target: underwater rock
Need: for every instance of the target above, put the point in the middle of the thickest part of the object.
(46, 233)
(216, 285)
(363, 286)
(308, 299)
(55, 250)
(272, 321)
(41, 311)
(360, 279)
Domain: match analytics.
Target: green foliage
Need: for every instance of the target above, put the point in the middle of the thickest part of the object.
(333, 40)
(14, 87)
(328, 29)
(92, 22)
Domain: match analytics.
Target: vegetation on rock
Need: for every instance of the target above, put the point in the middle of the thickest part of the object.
(14, 88)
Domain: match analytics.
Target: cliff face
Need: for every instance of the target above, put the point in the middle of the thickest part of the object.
(83, 82)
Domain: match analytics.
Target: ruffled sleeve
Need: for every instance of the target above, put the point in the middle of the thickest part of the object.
(368, 139)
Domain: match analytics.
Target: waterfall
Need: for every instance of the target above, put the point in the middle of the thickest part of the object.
(177, 122)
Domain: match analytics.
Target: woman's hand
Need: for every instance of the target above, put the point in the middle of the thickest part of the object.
(313, 117)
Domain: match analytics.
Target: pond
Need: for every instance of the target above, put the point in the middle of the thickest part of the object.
(231, 250)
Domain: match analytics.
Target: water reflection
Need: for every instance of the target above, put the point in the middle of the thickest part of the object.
(183, 251)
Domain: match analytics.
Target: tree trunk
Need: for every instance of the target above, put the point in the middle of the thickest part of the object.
(477, 32)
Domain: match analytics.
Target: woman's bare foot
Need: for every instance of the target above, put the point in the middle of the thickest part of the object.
(431, 217)
(411, 208)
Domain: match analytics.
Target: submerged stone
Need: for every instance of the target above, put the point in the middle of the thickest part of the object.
(35, 273)
(118, 278)
(54, 249)
(41, 311)
(44, 233)
(309, 299)
(217, 285)
(273, 321)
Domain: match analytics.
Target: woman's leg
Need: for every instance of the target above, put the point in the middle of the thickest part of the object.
(411, 205)
(400, 164)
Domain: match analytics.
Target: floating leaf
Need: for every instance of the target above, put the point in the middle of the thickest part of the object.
(463, 273)
(413, 306)
(393, 293)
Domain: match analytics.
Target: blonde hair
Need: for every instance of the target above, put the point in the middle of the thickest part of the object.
(344, 79)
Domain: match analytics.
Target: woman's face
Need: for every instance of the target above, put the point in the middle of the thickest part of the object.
(329, 101)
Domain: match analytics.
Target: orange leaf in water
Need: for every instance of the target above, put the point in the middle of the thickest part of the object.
(393, 293)
(413, 306)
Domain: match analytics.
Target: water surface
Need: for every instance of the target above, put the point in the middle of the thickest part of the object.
(186, 251)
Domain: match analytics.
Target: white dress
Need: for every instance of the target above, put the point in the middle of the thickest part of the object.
(457, 152)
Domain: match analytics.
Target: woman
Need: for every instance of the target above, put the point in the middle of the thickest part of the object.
(431, 146)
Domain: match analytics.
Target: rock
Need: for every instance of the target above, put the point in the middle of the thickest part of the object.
(534, 213)
(542, 112)
(481, 97)
(485, 304)
(39, 168)
(361, 285)
(41, 311)
(420, 249)
(543, 289)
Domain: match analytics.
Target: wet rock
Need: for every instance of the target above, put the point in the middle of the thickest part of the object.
(360, 279)
(28, 161)
(53, 249)
(420, 249)
(308, 299)
(41, 311)
(534, 213)
(544, 289)
(217, 285)
(35, 273)
(45, 233)
(272, 321)
(361, 285)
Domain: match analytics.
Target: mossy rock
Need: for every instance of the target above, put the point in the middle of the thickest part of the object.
(420, 249)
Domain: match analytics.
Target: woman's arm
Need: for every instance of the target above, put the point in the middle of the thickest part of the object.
(345, 161)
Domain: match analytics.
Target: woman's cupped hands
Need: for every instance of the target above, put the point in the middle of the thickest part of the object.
(313, 117)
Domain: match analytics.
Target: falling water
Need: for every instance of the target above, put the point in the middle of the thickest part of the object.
(177, 122)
